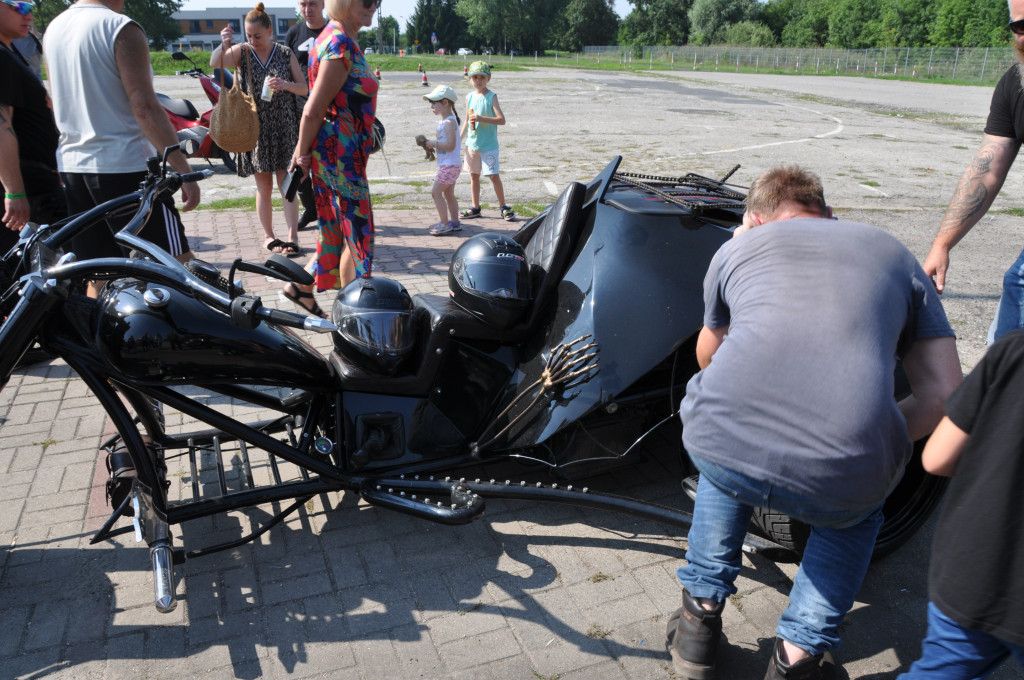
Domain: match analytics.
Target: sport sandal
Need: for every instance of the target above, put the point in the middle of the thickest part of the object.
(469, 213)
(507, 214)
(439, 228)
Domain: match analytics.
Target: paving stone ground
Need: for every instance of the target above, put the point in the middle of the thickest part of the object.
(345, 590)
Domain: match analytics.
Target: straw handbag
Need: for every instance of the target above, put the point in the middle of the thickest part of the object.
(235, 123)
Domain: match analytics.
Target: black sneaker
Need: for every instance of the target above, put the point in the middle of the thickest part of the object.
(692, 638)
(817, 667)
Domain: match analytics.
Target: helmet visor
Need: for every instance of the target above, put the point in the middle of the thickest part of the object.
(507, 280)
(378, 331)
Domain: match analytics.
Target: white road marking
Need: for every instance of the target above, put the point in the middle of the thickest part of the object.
(877, 191)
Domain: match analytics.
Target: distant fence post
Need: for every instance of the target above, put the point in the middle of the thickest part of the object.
(956, 62)
(984, 64)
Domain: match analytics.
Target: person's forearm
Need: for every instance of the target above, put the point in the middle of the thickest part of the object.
(157, 128)
(976, 190)
(10, 169)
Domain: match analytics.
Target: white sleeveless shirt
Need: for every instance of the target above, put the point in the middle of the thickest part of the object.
(453, 157)
(98, 131)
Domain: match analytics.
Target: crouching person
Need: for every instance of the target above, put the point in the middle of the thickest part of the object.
(805, 319)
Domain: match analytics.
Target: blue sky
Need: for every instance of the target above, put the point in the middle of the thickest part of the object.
(400, 9)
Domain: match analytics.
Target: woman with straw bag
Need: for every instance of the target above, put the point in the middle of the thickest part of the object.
(263, 64)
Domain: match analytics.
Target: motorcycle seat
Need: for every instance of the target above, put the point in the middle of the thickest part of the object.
(179, 107)
(548, 241)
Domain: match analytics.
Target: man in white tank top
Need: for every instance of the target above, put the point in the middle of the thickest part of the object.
(110, 121)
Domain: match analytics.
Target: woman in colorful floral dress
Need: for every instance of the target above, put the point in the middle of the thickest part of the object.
(265, 59)
(335, 138)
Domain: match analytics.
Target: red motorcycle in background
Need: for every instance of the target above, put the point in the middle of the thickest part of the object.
(189, 123)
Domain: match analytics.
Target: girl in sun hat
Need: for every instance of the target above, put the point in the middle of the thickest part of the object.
(448, 146)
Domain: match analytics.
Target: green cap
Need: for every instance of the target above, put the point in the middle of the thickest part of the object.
(479, 68)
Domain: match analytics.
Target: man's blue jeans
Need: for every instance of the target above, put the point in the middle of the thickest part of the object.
(1010, 313)
(952, 652)
(834, 563)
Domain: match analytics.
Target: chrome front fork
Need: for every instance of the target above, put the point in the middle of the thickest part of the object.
(151, 526)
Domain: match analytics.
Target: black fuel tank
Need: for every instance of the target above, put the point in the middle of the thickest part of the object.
(177, 339)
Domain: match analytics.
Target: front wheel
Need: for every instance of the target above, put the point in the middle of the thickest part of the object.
(908, 507)
(230, 160)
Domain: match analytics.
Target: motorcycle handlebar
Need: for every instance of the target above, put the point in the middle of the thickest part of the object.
(165, 268)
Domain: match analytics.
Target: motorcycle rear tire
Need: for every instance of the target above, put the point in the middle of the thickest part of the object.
(908, 507)
(230, 160)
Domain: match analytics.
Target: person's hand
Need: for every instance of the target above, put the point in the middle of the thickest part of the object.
(935, 266)
(276, 83)
(16, 213)
(302, 161)
(472, 118)
(227, 36)
(189, 196)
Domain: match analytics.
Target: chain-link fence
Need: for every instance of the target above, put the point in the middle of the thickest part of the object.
(981, 64)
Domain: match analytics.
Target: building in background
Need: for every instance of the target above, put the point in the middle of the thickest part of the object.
(201, 22)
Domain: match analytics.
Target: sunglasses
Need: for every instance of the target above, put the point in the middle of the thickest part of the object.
(22, 8)
(368, 4)
(1016, 26)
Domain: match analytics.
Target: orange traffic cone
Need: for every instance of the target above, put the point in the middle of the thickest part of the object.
(425, 83)
(376, 73)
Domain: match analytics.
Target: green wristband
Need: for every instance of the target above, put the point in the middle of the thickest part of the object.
(14, 196)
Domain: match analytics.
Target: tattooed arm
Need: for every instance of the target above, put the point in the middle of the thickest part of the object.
(974, 194)
(16, 210)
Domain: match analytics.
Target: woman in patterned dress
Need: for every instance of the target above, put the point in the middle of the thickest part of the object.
(272, 155)
(335, 138)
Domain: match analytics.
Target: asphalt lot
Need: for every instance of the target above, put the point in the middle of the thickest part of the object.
(345, 590)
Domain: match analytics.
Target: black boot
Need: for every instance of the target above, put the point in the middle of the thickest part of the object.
(693, 634)
(817, 667)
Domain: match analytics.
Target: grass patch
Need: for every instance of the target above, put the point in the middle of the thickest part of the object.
(46, 443)
(960, 147)
(599, 576)
(597, 632)
(540, 676)
(1016, 212)
(230, 204)
(870, 183)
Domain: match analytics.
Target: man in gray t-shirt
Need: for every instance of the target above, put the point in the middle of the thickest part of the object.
(805, 318)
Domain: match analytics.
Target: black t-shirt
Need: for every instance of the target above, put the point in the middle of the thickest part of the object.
(1006, 113)
(301, 38)
(977, 569)
(33, 123)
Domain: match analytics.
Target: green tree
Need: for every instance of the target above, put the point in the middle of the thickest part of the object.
(750, 33)
(585, 22)
(440, 17)
(656, 22)
(154, 16)
(522, 24)
(855, 24)
(710, 18)
(959, 23)
(797, 23)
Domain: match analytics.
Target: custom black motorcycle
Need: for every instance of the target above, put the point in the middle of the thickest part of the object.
(565, 349)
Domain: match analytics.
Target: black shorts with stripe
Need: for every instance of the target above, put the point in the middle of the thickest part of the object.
(87, 190)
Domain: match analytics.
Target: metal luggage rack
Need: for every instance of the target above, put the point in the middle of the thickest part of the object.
(691, 191)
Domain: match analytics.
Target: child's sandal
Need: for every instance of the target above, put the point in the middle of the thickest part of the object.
(439, 228)
(507, 214)
(469, 213)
